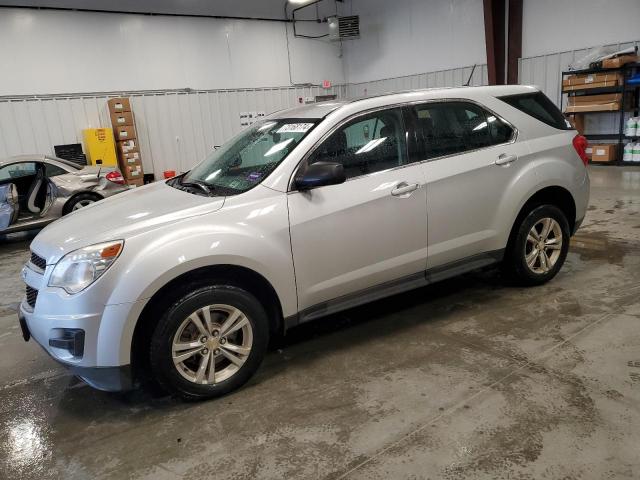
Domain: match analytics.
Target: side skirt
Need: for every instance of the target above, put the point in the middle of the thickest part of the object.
(394, 287)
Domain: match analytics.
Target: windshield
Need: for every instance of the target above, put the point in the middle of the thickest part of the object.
(250, 157)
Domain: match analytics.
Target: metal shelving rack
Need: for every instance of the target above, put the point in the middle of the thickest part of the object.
(633, 90)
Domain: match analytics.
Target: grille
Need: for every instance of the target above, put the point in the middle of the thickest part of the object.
(32, 296)
(38, 261)
(344, 28)
(349, 26)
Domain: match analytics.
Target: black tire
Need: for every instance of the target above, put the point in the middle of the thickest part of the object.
(83, 197)
(515, 263)
(161, 362)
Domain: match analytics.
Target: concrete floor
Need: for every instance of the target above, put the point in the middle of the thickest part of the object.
(467, 378)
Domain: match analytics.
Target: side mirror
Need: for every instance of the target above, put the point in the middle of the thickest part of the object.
(320, 174)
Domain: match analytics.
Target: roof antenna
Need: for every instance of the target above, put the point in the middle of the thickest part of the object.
(470, 76)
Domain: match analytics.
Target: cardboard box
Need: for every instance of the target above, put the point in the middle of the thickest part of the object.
(619, 61)
(594, 103)
(99, 146)
(595, 99)
(130, 157)
(596, 107)
(582, 86)
(587, 80)
(119, 105)
(138, 182)
(127, 146)
(578, 122)
(604, 153)
(124, 133)
(132, 171)
(121, 119)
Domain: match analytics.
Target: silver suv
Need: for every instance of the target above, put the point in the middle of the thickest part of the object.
(312, 210)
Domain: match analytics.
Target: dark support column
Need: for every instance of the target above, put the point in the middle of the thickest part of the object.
(494, 33)
(515, 40)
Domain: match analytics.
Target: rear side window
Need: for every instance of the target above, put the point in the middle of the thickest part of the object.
(456, 127)
(540, 107)
(53, 170)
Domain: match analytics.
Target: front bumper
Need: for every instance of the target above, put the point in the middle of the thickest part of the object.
(79, 331)
(110, 379)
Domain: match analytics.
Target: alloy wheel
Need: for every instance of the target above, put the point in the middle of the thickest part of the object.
(212, 344)
(544, 245)
(82, 203)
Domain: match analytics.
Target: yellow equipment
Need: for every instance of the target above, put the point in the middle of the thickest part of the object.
(99, 147)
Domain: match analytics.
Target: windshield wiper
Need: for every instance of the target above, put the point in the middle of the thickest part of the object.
(204, 186)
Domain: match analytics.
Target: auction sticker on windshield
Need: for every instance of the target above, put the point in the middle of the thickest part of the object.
(295, 128)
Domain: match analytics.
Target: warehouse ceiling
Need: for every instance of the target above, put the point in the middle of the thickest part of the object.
(234, 8)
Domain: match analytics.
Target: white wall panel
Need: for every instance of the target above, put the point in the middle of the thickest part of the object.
(176, 129)
(552, 25)
(54, 52)
(406, 37)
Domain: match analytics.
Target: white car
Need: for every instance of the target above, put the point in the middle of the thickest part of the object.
(310, 211)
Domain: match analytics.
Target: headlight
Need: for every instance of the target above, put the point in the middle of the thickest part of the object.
(80, 268)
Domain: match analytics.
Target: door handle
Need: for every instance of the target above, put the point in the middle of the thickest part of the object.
(403, 188)
(505, 159)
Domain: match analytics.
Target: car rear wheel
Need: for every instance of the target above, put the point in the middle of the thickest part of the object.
(209, 342)
(80, 201)
(539, 247)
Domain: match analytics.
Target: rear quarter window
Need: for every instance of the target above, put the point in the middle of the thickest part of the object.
(538, 106)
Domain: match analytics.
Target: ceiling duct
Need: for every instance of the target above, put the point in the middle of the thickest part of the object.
(344, 28)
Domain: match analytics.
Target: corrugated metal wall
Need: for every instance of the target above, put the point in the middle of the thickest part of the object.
(176, 129)
(444, 78)
(545, 71)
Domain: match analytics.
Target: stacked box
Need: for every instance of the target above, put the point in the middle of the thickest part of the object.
(594, 103)
(586, 81)
(618, 62)
(124, 131)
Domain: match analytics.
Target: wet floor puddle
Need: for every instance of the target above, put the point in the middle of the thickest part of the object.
(598, 246)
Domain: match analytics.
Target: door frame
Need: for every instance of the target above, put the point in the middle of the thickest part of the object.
(291, 184)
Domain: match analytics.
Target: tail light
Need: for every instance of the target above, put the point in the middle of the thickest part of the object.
(115, 177)
(580, 143)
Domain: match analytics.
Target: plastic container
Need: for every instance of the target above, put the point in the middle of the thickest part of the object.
(628, 152)
(169, 173)
(631, 127)
(636, 152)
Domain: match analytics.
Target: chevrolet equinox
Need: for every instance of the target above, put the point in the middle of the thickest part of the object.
(310, 211)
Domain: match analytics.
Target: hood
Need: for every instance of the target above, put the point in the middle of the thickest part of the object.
(120, 217)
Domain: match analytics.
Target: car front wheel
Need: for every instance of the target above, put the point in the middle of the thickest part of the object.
(209, 342)
(539, 247)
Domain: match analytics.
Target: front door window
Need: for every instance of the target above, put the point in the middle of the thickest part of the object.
(367, 144)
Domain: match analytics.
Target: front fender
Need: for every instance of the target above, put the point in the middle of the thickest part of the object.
(153, 259)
